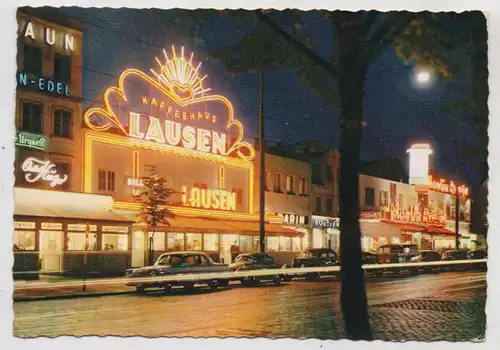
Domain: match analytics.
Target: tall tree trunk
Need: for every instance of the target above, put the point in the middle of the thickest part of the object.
(351, 76)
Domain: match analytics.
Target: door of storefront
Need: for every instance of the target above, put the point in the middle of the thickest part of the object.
(225, 245)
(51, 250)
(138, 249)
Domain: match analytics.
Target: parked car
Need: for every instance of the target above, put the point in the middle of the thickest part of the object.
(256, 261)
(368, 258)
(318, 257)
(476, 255)
(427, 256)
(177, 263)
(454, 255)
(397, 253)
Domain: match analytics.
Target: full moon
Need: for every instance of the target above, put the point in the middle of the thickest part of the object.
(423, 77)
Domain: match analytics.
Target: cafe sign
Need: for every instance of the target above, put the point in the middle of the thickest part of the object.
(33, 141)
(209, 199)
(325, 222)
(447, 186)
(294, 219)
(414, 215)
(179, 113)
(42, 170)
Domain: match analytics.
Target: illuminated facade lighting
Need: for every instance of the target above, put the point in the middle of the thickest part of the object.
(419, 164)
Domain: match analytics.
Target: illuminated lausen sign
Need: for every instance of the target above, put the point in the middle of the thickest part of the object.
(181, 98)
(39, 170)
(209, 199)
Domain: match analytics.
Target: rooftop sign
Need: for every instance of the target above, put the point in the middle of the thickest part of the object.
(172, 108)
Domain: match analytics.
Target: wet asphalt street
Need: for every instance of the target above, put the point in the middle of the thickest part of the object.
(447, 306)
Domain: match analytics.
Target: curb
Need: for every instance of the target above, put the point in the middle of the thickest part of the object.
(68, 296)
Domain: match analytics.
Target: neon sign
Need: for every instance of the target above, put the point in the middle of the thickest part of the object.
(34, 141)
(64, 40)
(446, 186)
(37, 169)
(209, 199)
(413, 214)
(42, 84)
(183, 97)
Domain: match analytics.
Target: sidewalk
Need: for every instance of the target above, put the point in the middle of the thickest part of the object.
(54, 287)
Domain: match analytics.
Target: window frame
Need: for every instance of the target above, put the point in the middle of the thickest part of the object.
(39, 50)
(61, 78)
(23, 127)
(278, 184)
(292, 184)
(318, 204)
(56, 113)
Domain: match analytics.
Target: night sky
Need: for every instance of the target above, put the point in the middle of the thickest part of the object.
(396, 112)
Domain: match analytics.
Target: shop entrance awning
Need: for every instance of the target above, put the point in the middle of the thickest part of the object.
(191, 224)
(439, 230)
(64, 205)
(405, 226)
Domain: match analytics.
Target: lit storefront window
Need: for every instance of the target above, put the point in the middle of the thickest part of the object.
(24, 240)
(305, 242)
(285, 244)
(112, 241)
(175, 241)
(296, 244)
(158, 241)
(246, 243)
(80, 241)
(211, 242)
(366, 243)
(193, 241)
(273, 244)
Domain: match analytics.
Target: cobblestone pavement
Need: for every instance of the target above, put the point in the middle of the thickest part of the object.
(448, 307)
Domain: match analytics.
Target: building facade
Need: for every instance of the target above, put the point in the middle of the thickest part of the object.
(56, 225)
(287, 195)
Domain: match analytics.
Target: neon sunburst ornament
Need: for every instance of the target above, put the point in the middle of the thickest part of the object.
(180, 75)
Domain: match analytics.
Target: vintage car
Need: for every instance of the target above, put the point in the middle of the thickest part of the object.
(427, 256)
(454, 255)
(397, 253)
(176, 263)
(256, 261)
(319, 257)
(477, 255)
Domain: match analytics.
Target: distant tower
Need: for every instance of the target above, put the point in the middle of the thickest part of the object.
(419, 166)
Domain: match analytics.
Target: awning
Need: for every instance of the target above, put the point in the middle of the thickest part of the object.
(191, 224)
(438, 230)
(378, 229)
(64, 205)
(406, 226)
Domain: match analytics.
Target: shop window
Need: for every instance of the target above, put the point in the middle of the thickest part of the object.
(329, 205)
(81, 241)
(318, 204)
(277, 183)
(158, 241)
(32, 117)
(369, 196)
(211, 242)
(273, 244)
(175, 241)
(285, 244)
(246, 243)
(106, 180)
(24, 240)
(290, 189)
(193, 241)
(114, 242)
(62, 123)
(33, 60)
(329, 173)
(64, 169)
(302, 186)
(305, 243)
(62, 68)
(384, 198)
(296, 244)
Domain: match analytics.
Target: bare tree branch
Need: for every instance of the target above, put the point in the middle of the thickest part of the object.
(317, 59)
